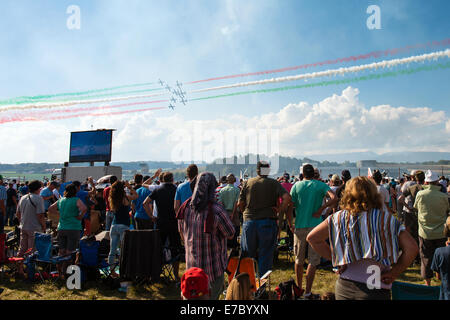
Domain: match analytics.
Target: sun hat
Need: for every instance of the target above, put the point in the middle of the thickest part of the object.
(431, 176)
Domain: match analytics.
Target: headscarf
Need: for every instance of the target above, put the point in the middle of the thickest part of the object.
(204, 191)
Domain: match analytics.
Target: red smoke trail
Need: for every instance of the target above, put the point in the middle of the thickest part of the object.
(32, 117)
(373, 54)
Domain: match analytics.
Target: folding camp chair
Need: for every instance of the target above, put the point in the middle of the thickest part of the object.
(286, 246)
(240, 264)
(409, 291)
(168, 259)
(43, 258)
(90, 260)
(5, 261)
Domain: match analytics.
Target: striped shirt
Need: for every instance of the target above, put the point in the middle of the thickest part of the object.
(373, 235)
(204, 250)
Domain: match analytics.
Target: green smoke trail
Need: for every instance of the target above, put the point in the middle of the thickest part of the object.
(334, 82)
(91, 93)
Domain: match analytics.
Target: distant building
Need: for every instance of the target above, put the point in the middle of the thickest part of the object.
(366, 164)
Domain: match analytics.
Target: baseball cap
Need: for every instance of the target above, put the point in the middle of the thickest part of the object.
(194, 283)
(431, 176)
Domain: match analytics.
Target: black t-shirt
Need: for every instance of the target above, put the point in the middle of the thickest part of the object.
(164, 197)
(10, 193)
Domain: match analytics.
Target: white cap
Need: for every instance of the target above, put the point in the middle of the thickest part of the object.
(431, 176)
(413, 173)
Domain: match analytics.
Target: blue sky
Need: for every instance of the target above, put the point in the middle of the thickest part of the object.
(127, 42)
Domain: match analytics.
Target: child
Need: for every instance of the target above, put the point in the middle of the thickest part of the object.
(441, 264)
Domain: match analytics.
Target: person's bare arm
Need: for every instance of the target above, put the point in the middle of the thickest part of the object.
(176, 205)
(317, 239)
(290, 217)
(241, 205)
(286, 201)
(149, 181)
(148, 207)
(82, 208)
(133, 194)
(331, 202)
(53, 209)
(409, 251)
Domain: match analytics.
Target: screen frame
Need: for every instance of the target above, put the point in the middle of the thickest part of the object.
(72, 160)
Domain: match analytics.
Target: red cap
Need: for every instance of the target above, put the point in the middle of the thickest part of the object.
(194, 283)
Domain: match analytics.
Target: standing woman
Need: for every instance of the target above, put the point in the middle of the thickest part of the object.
(120, 205)
(71, 211)
(363, 235)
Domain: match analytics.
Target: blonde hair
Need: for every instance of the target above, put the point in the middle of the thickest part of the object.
(240, 288)
(360, 194)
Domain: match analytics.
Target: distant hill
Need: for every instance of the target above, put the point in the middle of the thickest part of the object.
(395, 157)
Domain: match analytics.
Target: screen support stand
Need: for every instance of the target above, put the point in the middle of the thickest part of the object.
(92, 164)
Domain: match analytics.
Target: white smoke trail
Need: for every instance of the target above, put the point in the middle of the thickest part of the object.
(339, 71)
(332, 72)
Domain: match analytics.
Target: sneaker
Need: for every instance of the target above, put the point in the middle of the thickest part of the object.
(312, 296)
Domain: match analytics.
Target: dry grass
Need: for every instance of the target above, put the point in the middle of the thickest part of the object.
(283, 270)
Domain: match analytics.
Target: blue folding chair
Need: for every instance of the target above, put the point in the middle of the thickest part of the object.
(90, 259)
(409, 291)
(44, 258)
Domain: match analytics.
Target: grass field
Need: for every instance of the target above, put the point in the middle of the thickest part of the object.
(283, 270)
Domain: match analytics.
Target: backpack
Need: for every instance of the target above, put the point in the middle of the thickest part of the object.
(288, 290)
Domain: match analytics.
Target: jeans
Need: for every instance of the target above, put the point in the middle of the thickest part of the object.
(10, 214)
(109, 219)
(259, 238)
(116, 235)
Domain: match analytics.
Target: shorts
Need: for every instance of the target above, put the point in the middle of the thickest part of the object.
(300, 244)
(68, 239)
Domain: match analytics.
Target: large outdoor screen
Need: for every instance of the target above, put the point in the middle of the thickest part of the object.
(90, 146)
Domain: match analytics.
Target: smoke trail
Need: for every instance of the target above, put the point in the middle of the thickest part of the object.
(75, 102)
(374, 54)
(32, 117)
(79, 93)
(333, 82)
(81, 98)
(74, 110)
(77, 115)
(335, 72)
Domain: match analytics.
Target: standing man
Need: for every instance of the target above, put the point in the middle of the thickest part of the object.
(433, 208)
(109, 214)
(166, 221)
(308, 196)
(3, 198)
(48, 196)
(283, 214)
(31, 215)
(410, 215)
(258, 201)
(229, 197)
(143, 220)
(11, 204)
(184, 190)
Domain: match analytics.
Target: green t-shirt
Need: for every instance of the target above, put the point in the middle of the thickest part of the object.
(307, 196)
(68, 211)
(260, 194)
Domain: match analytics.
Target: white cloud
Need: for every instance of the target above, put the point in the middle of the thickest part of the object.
(340, 123)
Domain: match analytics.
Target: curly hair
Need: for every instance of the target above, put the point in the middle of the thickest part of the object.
(360, 195)
(116, 195)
